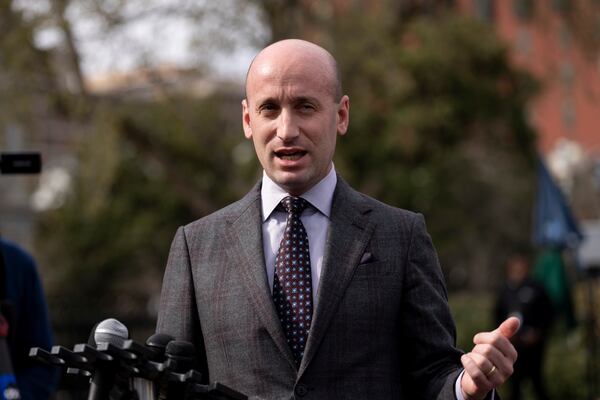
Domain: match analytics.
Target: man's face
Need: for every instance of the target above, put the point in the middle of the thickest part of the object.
(517, 270)
(293, 119)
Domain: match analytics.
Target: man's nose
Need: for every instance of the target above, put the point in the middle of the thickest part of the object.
(287, 127)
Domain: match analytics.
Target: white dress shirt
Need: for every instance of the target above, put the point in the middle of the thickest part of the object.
(316, 222)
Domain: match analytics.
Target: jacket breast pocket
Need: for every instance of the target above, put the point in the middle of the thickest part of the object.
(373, 269)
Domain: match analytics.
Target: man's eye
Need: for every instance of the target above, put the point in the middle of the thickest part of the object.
(267, 108)
(306, 107)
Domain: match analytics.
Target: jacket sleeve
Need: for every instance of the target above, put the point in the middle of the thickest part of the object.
(178, 314)
(428, 329)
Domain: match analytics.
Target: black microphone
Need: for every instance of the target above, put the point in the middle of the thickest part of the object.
(151, 366)
(180, 359)
(158, 344)
(77, 365)
(107, 335)
(181, 381)
(181, 356)
(70, 358)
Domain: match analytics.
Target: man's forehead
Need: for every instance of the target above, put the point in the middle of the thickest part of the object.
(287, 84)
(289, 71)
(289, 63)
(292, 51)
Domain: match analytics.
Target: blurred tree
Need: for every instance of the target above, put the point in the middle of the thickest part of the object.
(149, 167)
(437, 125)
(145, 164)
(26, 75)
(446, 115)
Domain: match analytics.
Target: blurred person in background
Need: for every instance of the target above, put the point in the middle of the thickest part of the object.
(526, 299)
(24, 307)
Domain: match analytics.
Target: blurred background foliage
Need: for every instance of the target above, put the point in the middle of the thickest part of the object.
(438, 125)
(437, 118)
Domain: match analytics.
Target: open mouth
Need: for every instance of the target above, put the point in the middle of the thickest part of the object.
(290, 155)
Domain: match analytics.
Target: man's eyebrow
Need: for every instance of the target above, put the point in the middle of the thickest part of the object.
(305, 99)
(267, 100)
(294, 100)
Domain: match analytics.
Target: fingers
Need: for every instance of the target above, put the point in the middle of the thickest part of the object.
(481, 375)
(475, 380)
(489, 358)
(491, 361)
(496, 340)
(509, 327)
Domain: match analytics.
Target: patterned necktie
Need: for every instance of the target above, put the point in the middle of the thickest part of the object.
(292, 285)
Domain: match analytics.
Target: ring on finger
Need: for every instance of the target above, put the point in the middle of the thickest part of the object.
(491, 371)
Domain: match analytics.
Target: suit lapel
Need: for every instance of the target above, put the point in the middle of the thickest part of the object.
(246, 251)
(349, 233)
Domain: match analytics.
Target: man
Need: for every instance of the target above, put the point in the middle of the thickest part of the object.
(358, 313)
(24, 307)
(526, 299)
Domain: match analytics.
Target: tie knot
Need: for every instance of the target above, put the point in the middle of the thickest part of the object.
(294, 205)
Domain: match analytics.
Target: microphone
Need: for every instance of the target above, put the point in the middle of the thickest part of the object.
(8, 382)
(152, 367)
(108, 334)
(181, 356)
(158, 344)
(123, 369)
(111, 331)
(181, 381)
(77, 365)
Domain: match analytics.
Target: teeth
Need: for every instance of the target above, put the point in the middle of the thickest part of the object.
(294, 156)
(290, 156)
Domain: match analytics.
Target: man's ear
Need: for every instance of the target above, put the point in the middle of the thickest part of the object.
(343, 115)
(246, 119)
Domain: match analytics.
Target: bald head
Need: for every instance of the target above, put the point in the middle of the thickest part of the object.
(293, 54)
(293, 113)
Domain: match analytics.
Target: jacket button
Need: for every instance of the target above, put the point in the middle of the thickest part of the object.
(301, 390)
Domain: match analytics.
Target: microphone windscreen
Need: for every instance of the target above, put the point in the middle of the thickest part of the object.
(158, 343)
(159, 340)
(180, 349)
(111, 331)
(181, 356)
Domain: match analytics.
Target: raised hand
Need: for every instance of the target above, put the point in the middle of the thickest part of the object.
(491, 361)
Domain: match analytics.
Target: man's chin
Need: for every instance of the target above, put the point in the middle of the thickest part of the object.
(292, 183)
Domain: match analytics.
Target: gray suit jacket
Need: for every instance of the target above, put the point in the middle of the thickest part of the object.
(381, 328)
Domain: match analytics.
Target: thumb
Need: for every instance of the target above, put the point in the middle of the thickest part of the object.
(509, 327)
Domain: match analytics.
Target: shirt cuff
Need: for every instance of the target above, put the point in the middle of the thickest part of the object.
(458, 390)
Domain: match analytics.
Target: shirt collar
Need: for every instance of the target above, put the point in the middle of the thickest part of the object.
(319, 196)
